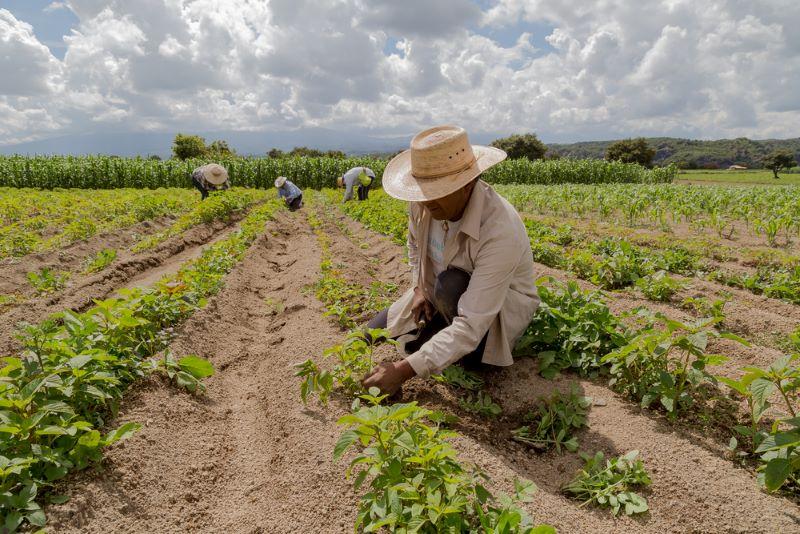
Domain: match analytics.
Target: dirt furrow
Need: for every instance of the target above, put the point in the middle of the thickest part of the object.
(129, 269)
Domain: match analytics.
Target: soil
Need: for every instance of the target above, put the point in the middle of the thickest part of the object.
(249, 457)
(128, 270)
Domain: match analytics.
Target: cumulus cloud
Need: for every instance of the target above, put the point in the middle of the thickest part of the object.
(625, 67)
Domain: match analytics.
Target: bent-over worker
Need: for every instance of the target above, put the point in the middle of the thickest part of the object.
(290, 193)
(210, 177)
(357, 176)
(473, 291)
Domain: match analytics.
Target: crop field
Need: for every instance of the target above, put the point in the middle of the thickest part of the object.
(756, 176)
(174, 365)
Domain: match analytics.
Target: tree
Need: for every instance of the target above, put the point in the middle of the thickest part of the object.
(521, 146)
(220, 149)
(631, 151)
(276, 153)
(777, 160)
(188, 146)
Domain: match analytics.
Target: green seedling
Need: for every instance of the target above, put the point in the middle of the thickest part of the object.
(48, 280)
(481, 404)
(456, 375)
(187, 372)
(610, 483)
(666, 365)
(659, 286)
(554, 420)
(416, 483)
(100, 261)
(353, 361)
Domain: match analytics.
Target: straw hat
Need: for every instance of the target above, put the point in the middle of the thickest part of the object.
(279, 181)
(214, 174)
(340, 181)
(441, 161)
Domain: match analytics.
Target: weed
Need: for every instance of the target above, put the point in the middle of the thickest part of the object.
(456, 375)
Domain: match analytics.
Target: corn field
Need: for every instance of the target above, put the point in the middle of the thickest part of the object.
(110, 172)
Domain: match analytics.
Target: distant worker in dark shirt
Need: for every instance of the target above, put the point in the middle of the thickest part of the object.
(290, 193)
(211, 177)
(357, 176)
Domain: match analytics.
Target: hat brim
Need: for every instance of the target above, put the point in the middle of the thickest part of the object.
(399, 183)
(216, 180)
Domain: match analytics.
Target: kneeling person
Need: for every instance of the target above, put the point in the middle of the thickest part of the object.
(473, 286)
(290, 193)
(210, 177)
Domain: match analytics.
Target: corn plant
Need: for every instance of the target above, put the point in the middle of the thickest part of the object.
(611, 483)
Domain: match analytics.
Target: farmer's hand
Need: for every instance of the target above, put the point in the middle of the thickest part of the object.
(389, 376)
(421, 308)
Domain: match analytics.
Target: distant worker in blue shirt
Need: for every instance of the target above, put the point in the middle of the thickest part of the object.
(360, 176)
(290, 193)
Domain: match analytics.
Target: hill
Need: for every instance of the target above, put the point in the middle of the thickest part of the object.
(690, 153)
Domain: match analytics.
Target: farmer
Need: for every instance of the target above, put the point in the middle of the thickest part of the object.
(473, 291)
(363, 176)
(290, 193)
(211, 177)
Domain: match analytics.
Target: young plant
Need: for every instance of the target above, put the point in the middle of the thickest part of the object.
(704, 307)
(354, 361)
(554, 420)
(481, 404)
(416, 483)
(456, 375)
(611, 483)
(571, 329)
(48, 280)
(100, 261)
(666, 365)
(659, 286)
(187, 372)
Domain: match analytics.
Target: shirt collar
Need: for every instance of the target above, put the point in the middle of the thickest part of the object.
(471, 220)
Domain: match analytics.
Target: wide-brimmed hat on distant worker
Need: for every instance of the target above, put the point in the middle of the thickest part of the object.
(441, 161)
(279, 181)
(214, 173)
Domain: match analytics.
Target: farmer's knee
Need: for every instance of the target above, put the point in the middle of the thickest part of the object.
(450, 285)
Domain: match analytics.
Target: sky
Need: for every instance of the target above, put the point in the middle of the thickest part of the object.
(567, 70)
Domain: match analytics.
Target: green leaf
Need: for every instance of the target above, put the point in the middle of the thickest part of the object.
(776, 473)
(196, 366)
(123, 432)
(345, 440)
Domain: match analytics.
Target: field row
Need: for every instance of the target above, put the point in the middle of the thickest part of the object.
(107, 172)
(655, 360)
(71, 373)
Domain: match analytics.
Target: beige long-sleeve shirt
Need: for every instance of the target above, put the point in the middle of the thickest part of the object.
(501, 298)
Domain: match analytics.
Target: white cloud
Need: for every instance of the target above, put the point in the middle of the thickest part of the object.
(620, 67)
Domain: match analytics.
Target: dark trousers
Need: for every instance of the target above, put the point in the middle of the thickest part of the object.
(449, 287)
(363, 192)
(296, 203)
(203, 191)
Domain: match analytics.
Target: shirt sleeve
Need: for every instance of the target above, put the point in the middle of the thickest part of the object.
(495, 264)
